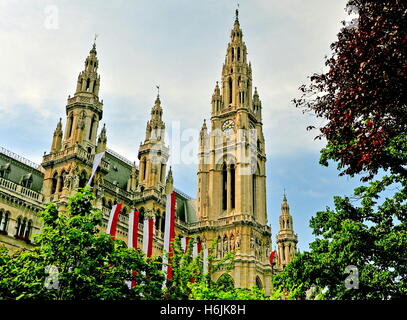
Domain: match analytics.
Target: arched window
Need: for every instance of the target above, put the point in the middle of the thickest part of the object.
(22, 228)
(61, 181)
(141, 216)
(232, 185)
(18, 226)
(92, 126)
(230, 90)
(254, 193)
(233, 54)
(54, 183)
(238, 54)
(157, 221)
(82, 180)
(28, 230)
(163, 223)
(224, 186)
(144, 162)
(4, 217)
(87, 84)
(70, 124)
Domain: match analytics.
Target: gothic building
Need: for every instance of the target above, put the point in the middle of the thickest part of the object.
(231, 194)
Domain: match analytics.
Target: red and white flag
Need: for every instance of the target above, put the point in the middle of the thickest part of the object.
(184, 243)
(272, 254)
(113, 218)
(133, 229)
(132, 239)
(169, 231)
(148, 236)
(205, 259)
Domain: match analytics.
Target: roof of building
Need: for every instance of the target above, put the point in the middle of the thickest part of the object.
(20, 169)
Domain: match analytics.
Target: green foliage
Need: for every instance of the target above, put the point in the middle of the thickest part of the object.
(186, 268)
(371, 236)
(362, 97)
(90, 265)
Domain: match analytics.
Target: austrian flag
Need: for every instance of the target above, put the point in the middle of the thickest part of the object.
(113, 218)
(169, 231)
(148, 236)
(133, 229)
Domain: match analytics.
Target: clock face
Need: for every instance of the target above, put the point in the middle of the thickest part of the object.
(228, 126)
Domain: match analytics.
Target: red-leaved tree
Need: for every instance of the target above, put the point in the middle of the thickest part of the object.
(363, 93)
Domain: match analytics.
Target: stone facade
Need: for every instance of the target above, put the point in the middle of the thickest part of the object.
(231, 198)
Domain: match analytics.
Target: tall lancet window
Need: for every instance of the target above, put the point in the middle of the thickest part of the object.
(238, 54)
(254, 193)
(70, 124)
(92, 126)
(144, 168)
(230, 90)
(232, 185)
(224, 186)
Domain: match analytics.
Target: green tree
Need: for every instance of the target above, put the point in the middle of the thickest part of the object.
(89, 264)
(362, 97)
(188, 269)
(372, 236)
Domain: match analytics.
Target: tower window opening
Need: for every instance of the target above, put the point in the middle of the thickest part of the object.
(238, 54)
(70, 125)
(232, 187)
(144, 168)
(92, 125)
(54, 183)
(233, 54)
(4, 217)
(254, 193)
(224, 187)
(87, 84)
(230, 90)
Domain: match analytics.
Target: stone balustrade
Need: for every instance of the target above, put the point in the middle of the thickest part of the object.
(19, 189)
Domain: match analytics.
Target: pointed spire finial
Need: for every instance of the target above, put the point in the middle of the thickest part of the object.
(94, 41)
(237, 14)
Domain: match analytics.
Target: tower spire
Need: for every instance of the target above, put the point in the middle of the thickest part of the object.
(286, 238)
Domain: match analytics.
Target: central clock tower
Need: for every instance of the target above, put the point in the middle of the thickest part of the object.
(231, 199)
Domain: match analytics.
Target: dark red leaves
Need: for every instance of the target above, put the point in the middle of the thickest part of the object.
(364, 91)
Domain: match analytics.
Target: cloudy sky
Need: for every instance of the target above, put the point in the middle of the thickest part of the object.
(180, 45)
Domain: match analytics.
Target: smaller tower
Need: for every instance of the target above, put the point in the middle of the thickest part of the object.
(153, 154)
(216, 100)
(84, 110)
(286, 238)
